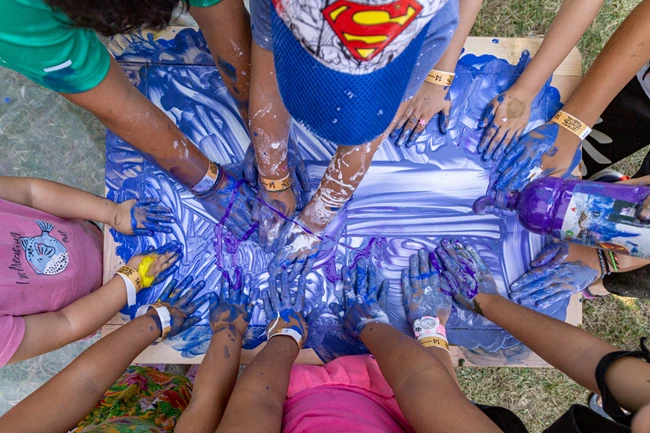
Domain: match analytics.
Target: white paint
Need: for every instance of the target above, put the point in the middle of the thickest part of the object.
(58, 67)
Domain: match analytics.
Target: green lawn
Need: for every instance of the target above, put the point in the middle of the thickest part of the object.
(540, 396)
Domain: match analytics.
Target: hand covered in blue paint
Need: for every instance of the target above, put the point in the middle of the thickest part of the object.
(361, 290)
(551, 278)
(157, 264)
(296, 250)
(544, 151)
(286, 317)
(235, 305)
(232, 202)
(429, 101)
(465, 275)
(421, 289)
(271, 211)
(142, 217)
(505, 119)
(299, 176)
(179, 300)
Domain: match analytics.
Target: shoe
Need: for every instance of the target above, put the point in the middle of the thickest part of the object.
(609, 176)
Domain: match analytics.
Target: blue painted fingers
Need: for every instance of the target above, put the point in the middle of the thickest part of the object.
(421, 289)
(272, 211)
(551, 278)
(504, 120)
(148, 216)
(465, 273)
(234, 306)
(296, 251)
(179, 300)
(232, 204)
(285, 317)
(359, 305)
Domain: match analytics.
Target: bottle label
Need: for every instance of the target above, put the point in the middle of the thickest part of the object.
(607, 223)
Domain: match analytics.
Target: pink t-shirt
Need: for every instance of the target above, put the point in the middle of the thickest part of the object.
(46, 263)
(346, 395)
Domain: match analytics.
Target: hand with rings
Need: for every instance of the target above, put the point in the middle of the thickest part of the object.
(430, 100)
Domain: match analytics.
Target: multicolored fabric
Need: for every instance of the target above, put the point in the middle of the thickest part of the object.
(142, 400)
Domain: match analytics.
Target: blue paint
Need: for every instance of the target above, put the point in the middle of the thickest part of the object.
(495, 41)
(7, 100)
(422, 290)
(147, 216)
(392, 216)
(227, 68)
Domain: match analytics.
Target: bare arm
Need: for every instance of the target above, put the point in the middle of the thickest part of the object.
(226, 27)
(58, 405)
(571, 350)
(427, 394)
(59, 200)
(261, 390)
(467, 13)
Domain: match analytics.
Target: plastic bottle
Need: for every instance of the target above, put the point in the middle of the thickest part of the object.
(596, 214)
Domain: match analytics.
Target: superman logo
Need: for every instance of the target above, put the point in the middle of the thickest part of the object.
(366, 30)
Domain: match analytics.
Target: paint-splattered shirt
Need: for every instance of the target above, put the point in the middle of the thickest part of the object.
(46, 263)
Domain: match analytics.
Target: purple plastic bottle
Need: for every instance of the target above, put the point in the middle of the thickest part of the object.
(596, 214)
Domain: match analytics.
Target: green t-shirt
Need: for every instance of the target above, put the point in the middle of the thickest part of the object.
(41, 45)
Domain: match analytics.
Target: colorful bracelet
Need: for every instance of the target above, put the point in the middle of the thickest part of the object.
(604, 268)
(276, 185)
(571, 123)
(428, 326)
(132, 281)
(440, 78)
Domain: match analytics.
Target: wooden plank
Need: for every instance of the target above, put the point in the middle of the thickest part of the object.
(565, 79)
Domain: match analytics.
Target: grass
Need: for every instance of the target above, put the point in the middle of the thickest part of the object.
(540, 396)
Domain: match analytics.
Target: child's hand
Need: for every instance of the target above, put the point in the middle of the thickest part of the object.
(178, 298)
(421, 289)
(360, 293)
(271, 210)
(296, 251)
(465, 275)
(235, 303)
(142, 217)
(154, 266)
(285, 317)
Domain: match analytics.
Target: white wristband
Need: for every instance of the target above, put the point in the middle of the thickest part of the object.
(290, 333)
(130, 290)
(163, 315)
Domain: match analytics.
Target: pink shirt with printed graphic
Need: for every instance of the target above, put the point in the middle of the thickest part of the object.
(46, 264)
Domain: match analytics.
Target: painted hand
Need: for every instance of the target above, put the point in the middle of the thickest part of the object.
(421, 289)
(271, 211)
(234, 306)
(179, 300)
(232, 203)
(299, 175)
(359, 305)
(465, 275)
(142, 217)
(544, 151)
(551, 279)
(430, 100)
(156, 265)
(285, 317)
(504, 119)
(296, 251)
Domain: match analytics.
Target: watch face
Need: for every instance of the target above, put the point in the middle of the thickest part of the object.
(428, 323)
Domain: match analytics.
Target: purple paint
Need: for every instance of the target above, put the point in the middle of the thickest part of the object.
(595, 214)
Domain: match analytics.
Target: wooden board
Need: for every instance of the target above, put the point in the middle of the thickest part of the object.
(565, 79)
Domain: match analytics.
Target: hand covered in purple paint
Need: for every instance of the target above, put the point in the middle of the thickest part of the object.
(270, 211)
(551, 278)
(159, 263)
(231, 203)
(235, 305)
(429, 101)
(299, 176)
(296, 250)
(179, 300)
(359, 305)
(537, 154)
(505, 119)
(421, 289)
(286, 317)
(465, 275)
(142, 217)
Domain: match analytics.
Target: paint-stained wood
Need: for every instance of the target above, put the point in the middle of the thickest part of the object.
(565, 79)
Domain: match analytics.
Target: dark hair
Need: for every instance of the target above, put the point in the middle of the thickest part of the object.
(111, 17)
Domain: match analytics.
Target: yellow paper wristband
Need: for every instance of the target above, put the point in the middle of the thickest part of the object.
(208, 180)
(165, 319)
(276, 185)
(435, 342)
(143, 268)
(132, 275)
(571, 123)
(440, 78)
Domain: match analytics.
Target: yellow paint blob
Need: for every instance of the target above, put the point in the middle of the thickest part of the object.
(143, 268)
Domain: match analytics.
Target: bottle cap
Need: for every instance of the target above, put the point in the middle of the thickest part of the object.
(506, 199)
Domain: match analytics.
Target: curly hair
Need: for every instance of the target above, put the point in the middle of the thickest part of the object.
(111, 17)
